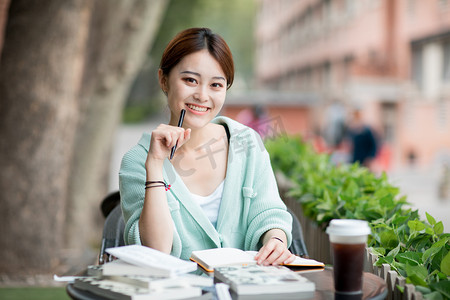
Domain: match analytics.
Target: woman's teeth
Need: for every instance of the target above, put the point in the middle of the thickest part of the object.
(197, 108)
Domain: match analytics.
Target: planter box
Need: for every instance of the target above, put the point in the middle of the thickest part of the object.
(392, 278)
(316, 239)
(318, 246)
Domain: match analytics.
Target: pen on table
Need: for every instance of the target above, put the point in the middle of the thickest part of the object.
(180, 123)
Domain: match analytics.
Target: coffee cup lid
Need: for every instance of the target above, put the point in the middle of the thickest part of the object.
(348, 227)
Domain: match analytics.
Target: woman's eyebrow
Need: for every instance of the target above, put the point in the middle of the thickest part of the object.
(198, 74)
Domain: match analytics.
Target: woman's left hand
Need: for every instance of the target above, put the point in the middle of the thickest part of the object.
(274, 252)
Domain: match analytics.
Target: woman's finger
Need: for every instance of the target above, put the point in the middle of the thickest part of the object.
(274, 256)
(290, 259)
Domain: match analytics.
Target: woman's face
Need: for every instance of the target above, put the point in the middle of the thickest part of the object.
(197, 84)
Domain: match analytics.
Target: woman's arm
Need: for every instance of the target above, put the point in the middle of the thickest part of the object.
(274, 250)
(155, 222)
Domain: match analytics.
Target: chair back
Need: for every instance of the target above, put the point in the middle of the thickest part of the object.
(112, 230)
(298, 246)
(114, 226)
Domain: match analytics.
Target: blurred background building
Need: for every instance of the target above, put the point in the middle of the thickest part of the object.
(317, 60)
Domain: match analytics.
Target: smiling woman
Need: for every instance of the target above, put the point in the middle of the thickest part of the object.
(219, 189)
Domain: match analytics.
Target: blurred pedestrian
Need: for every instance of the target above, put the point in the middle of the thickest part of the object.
(363, 141)
(255, 117)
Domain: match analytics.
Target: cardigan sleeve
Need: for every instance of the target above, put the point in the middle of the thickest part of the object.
(267, 209)
(132, 176)
(132, 193)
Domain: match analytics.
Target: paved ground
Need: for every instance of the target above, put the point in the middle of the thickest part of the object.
(420, 185)
(421, 188)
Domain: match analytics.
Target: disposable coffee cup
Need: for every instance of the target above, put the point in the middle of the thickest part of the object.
(348, 240)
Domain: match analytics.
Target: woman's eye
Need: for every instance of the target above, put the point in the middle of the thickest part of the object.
(190, 80)
(217, 85)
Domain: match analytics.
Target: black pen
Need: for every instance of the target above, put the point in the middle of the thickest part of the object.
(180, 123)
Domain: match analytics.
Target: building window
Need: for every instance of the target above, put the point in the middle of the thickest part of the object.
(446, 65)
(389, 117)
(429, 68)
(416, 69)
(432, 64)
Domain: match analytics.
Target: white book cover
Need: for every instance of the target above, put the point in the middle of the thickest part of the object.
(151, 281)
(119, 267)
(256, 279)
(161, 263)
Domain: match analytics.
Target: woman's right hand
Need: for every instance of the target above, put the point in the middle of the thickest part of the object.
(164, 137)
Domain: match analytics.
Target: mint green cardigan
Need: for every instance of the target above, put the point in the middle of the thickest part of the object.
(250, 203)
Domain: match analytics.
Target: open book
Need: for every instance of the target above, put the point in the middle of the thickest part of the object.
(221, 257)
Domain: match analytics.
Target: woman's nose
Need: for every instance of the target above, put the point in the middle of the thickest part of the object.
(201, 94)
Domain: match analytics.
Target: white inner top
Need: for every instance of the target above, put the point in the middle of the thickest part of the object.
(210, 204)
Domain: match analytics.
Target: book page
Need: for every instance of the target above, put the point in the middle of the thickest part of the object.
(299, 261)
(211, 258)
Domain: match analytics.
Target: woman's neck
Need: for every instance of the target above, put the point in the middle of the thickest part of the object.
(200, 138)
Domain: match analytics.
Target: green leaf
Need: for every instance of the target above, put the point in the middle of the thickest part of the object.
(379, 251)
(388, 239)
(423, 290)
(394, 251)
(445, 264)
(438, 228)
(420, 242)
(416, 280)
(419, 271)
(385, 260)
(416, 225)
(442, 287)
(437, 259)
(430, 219)
(433, 296)
(429, 253)
(441, 242)
(411, 258)
(352, 189)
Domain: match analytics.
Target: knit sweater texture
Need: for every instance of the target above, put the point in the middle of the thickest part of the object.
(250, 205)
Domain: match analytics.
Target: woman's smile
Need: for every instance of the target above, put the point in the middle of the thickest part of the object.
(197, 109)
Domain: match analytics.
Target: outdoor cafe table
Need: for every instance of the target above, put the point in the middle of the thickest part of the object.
(374, 288)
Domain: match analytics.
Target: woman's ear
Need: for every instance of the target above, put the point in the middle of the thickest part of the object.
(162, 81)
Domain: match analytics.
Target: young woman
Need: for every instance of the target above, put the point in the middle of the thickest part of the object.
(218, 190)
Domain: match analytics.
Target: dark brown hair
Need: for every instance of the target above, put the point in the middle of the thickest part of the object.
(195, 39)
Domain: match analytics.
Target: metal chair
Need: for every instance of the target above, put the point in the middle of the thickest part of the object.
(298, 246)
(114, 227)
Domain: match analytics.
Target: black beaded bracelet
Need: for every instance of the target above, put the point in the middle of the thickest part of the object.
(277, 238)
(159, 183)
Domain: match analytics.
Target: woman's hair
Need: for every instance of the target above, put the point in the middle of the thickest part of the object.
(195, 39)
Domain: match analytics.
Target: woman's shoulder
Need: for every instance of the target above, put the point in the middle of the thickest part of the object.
(242, 138)
(138, 151)
(235, 128)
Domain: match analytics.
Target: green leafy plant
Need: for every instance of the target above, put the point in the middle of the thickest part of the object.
(418, 250)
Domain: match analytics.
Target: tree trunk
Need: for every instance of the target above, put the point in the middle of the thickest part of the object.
(66, 67)
(40, 74)
(4, 4)
(123, 31)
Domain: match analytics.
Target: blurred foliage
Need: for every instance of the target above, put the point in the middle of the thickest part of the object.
(418, 250)
(232, 19)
